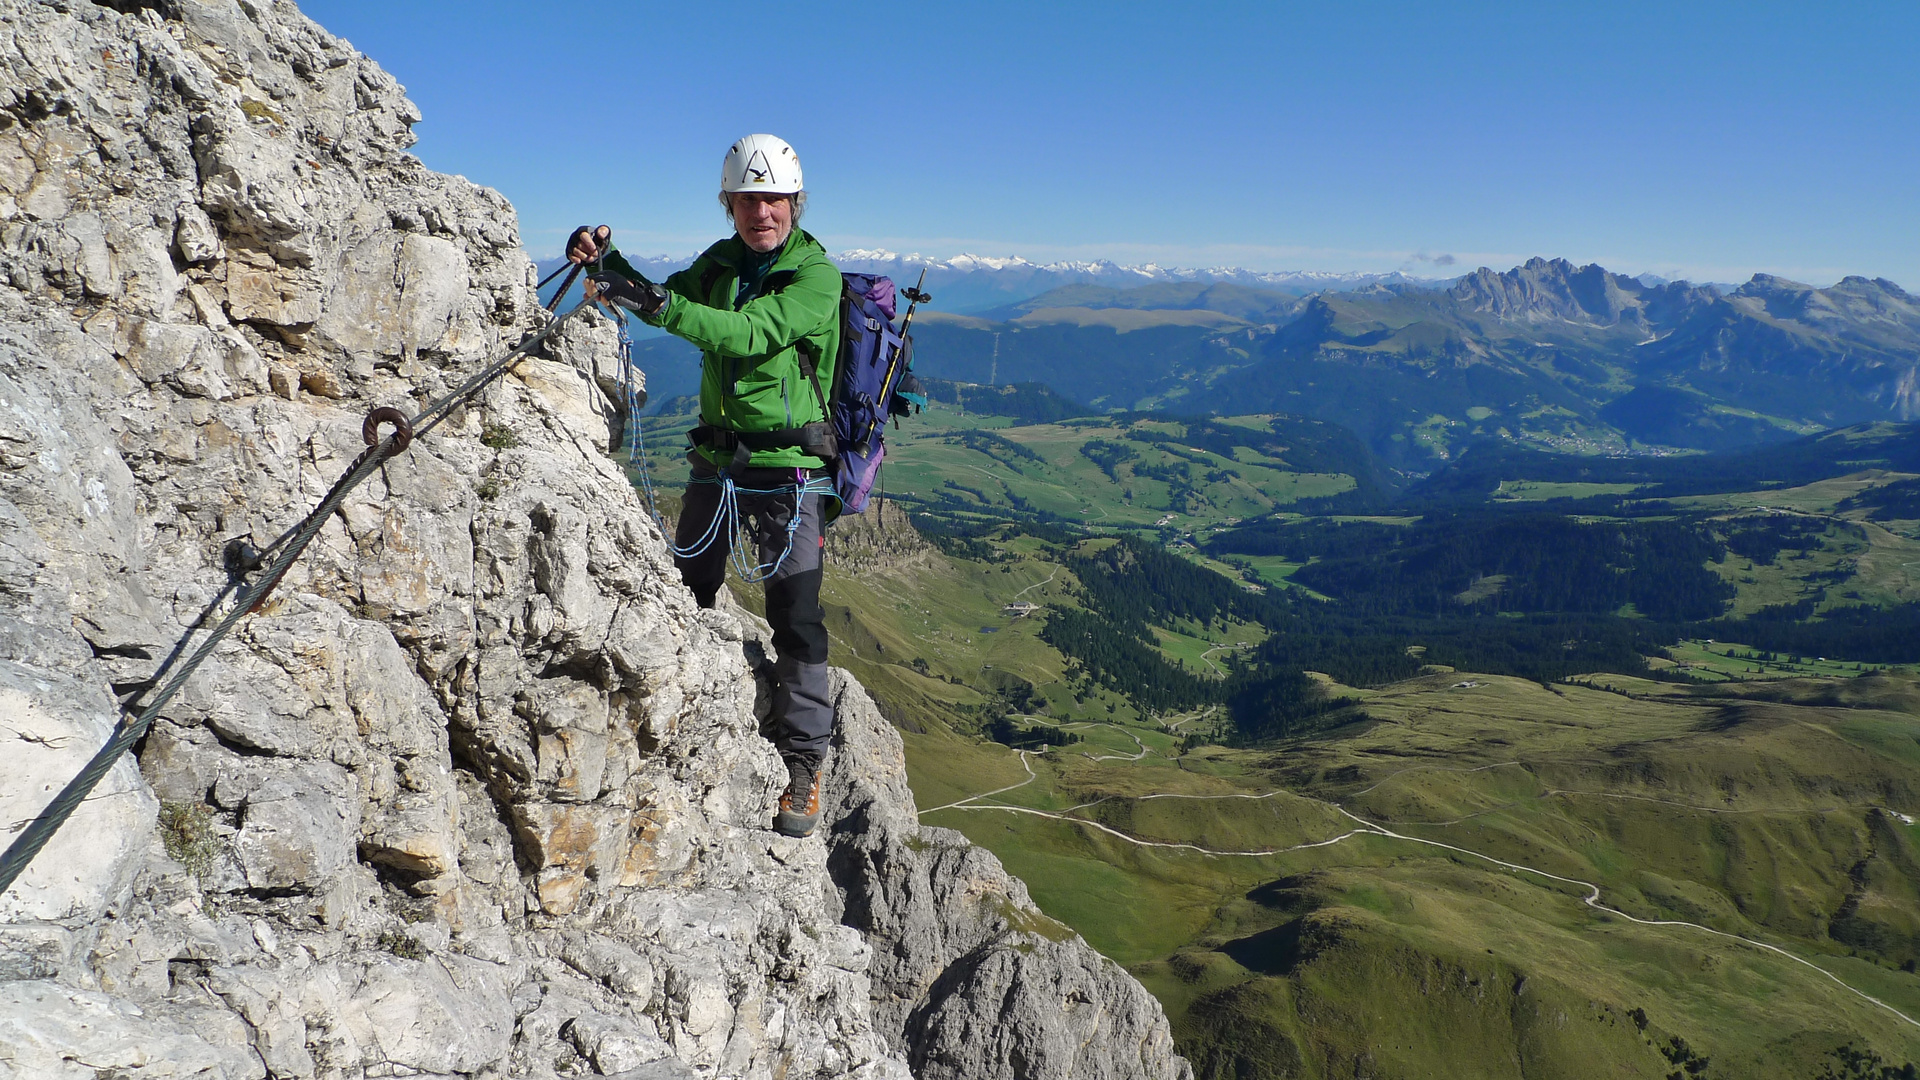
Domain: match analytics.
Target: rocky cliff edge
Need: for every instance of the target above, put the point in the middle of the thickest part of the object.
(479, 792)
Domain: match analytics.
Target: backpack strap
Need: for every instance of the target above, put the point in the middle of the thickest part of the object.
(810, 364)
(816, 438)
(719, 438)
(809, 352)
(709, 278)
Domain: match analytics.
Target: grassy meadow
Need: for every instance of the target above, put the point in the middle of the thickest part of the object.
(1211, 876)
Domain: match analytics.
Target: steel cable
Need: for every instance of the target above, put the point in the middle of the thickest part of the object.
(283, 553)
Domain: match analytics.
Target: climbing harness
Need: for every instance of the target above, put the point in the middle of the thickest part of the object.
(270, 565)
(727, 518)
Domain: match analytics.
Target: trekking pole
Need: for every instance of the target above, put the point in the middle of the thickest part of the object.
(915, 297)
(565, 285)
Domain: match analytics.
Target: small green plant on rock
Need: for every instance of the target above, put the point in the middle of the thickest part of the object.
(400, 945)
(498, 436)
(1030, 922)
(187, 831)
(259, 110)
(488, 489)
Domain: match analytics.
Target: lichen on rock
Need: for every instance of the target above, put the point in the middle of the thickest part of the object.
(479, 792)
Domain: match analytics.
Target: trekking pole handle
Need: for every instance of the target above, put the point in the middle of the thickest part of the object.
(914, 297)
(917, 295)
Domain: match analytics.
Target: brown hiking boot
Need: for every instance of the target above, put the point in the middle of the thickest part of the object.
(800, 803)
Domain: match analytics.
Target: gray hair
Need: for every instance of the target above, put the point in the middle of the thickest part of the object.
(798, 199)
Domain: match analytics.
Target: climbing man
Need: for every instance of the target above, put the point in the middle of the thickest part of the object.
(763, 307)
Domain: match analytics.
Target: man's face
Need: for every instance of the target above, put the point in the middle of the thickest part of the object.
(763, 221)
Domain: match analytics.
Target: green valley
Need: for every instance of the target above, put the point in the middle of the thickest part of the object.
(1346, 904)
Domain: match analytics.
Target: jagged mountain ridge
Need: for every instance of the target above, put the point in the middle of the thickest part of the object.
(1855, 341)
(479, 792)
(1555, 291)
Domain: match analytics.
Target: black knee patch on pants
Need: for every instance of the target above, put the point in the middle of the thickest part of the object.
(798, 620)
(706, 571)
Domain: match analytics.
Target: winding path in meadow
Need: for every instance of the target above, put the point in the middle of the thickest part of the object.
(1364, 827)
(1034, 586)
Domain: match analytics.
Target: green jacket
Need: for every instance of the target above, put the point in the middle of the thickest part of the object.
(750, 376)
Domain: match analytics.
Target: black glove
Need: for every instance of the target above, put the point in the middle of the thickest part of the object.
(642, 296)
(589, 244)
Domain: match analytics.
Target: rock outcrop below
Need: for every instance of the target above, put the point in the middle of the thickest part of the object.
(480, 791)
(968, 976)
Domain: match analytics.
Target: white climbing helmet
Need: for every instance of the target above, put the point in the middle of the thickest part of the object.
(761, 163)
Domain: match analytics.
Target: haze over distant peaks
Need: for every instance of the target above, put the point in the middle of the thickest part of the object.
(1142, 273)
(967, 283)
(974, 283)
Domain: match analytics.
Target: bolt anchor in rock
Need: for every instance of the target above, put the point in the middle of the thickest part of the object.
(402, 429)
(242, 558)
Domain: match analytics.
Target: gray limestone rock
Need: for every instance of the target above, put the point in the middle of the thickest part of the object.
(54, 1032)
(970, 979)
(479, 792)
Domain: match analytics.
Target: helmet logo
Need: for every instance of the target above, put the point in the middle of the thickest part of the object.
(758, 169)
(761, 163)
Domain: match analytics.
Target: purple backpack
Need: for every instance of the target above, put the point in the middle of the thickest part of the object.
(872, 382)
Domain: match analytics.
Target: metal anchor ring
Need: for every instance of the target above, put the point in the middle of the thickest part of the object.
(402, 428)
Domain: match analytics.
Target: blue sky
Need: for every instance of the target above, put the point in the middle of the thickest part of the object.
(1705, 140)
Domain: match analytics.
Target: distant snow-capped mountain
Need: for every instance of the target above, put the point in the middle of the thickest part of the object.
(966, 284)
(980, 282)
(1145, 273)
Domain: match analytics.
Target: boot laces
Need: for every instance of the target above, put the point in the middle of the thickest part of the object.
(800, 779)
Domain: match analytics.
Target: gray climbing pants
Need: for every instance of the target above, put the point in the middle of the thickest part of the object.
(801, 724)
